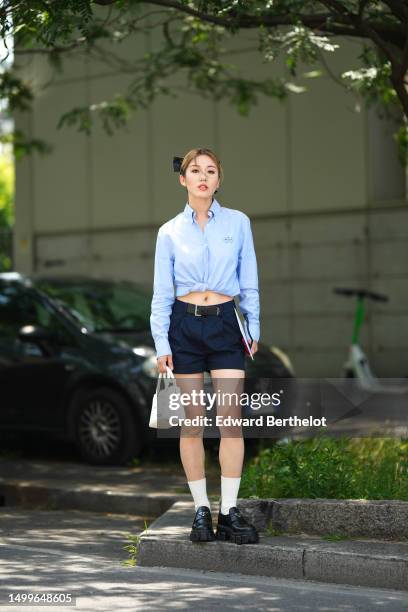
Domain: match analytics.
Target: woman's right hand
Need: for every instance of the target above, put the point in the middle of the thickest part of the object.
(163, 361)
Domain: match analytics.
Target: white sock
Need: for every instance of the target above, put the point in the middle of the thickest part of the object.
(198, 490)
(229, 493)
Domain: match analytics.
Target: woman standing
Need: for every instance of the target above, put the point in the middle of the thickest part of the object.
(206, 253)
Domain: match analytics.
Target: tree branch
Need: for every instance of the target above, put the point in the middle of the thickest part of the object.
(310, 20)
(346, 23)
(374, 35)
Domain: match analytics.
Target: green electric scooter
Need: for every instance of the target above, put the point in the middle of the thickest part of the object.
(357, 365)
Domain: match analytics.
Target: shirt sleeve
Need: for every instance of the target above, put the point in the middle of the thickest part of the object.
(163, 293)
(248, 280)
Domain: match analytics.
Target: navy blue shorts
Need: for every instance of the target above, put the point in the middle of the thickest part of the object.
(205, 343)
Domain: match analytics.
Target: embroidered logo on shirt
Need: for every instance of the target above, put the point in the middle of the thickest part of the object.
(227, 239)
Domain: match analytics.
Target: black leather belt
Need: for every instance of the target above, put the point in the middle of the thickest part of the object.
(200, 311)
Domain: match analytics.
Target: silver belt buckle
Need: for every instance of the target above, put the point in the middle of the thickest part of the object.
(195, 311)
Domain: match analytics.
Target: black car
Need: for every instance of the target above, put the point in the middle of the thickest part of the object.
(64, 373)
(77, 358)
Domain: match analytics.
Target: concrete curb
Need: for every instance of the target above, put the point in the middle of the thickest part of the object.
(383, 519)
(354, 562)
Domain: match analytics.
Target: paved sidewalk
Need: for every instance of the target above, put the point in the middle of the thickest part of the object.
(84, 510)
(81, 553)
(148, 489)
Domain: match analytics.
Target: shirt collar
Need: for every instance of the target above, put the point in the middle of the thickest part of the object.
(214, 209)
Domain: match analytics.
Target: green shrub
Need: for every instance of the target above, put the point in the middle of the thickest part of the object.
(336, 468)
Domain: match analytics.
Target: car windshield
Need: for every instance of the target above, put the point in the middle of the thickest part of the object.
(102, 306)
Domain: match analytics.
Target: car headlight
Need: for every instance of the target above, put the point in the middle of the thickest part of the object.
(149, 366)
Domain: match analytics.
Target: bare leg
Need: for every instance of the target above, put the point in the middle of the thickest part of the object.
(191, 438)
(232, 447)
(231, 455)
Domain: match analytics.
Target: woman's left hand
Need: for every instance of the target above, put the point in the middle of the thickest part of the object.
(254, 347)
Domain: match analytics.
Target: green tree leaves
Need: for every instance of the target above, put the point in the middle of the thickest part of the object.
(188, 39)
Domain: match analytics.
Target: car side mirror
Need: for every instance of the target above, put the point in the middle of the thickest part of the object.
(36, 334)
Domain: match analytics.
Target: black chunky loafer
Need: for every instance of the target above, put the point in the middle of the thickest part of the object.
(233, 527)
(202, 529)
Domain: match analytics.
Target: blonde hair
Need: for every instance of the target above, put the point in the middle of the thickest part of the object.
(194, 153)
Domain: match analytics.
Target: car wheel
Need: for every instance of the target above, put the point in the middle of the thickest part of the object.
(105, 428)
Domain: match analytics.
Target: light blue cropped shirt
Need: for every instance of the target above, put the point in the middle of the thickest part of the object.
(219, 258)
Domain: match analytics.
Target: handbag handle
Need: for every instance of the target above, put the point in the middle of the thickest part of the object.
(167, 374)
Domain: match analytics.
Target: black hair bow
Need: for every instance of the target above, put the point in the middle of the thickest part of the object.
(177, 161)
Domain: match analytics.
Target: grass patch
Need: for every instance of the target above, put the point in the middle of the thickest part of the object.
(332, 468)
(133, 548)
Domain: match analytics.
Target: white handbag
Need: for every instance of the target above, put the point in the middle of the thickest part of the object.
(161, 420)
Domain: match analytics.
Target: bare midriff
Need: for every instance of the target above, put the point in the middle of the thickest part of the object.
(205, 298)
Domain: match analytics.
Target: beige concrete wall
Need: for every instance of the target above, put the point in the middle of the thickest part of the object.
(320, 181)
